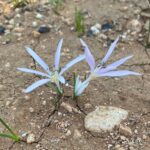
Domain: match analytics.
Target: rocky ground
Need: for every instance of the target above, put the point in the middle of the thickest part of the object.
(38, 26)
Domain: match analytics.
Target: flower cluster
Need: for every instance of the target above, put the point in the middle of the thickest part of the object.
(55, 76)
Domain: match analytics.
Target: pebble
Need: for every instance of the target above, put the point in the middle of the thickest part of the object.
(144, 137)
(43, 29)
(12, 21)
(34, 24)
(2, 30)
(134, 25)
(31, 110)
(87, 106)
(39, 16)
(104, 118)
(68, 133)
(77, 134)
(18, 16)
(44, 103)
(36, 34)
(126, 131)
(94, 30)
(19, 29)
(30, 138)
(103, 36)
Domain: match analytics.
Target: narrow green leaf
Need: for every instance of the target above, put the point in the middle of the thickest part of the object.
(7, 127)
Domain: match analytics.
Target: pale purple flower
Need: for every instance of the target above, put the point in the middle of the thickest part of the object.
(54, 76)
(101, 70)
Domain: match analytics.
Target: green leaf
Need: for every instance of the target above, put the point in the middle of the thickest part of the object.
(15, 138)
(7, 127)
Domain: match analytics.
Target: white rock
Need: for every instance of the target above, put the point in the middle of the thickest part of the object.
(104, 118)
(30, 138)
(134, 25)
(34, 24)
(98, 26)
(39, 16)
(95, 30)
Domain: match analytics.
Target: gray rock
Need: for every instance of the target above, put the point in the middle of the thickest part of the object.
(104, 118)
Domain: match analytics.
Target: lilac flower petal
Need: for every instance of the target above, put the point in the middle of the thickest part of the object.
(119, 62)
(33, 72)
(113, 65)
(118, 73)
(110, 50)
(89, 57)
(36, 85)
(38, 60)
(71, 63)
(62, 79)
(81, 88)
(57, 55)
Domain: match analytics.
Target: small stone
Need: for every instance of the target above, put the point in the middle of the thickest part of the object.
(117, 147)
(19, 29)
(10, 27)
(104, 118)
(30, 138)
(44, 103)
(2, 30)
(27, 97)
(126, 131)
(77, 134)
(67, 106)
(8, 103)
(103, 36)
(34, 24)
(136, 131)
(87, 106)
(144, 137)
(39, 16)
(98, 26)
(31, 110)
(94, 30)
(134, 25)
(18, 16)
(43, 29)
(12, 21)
(36, 34)
(68, 133)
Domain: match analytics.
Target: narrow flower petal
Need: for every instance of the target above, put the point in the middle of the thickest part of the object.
(38, 59)
(33, 72)
(71, 63)
(62, 79)
(118, 73)
(110, 50)
(36, 85)
(89, 57)
(81, 88)
(57, 54)
(113, 65)
(119, 62)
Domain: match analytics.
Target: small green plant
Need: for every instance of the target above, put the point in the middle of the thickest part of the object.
(20, 3)
(57, 5)
(11, 134)
(79, 22)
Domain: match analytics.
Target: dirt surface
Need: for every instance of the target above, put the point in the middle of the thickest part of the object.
(29, 113)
